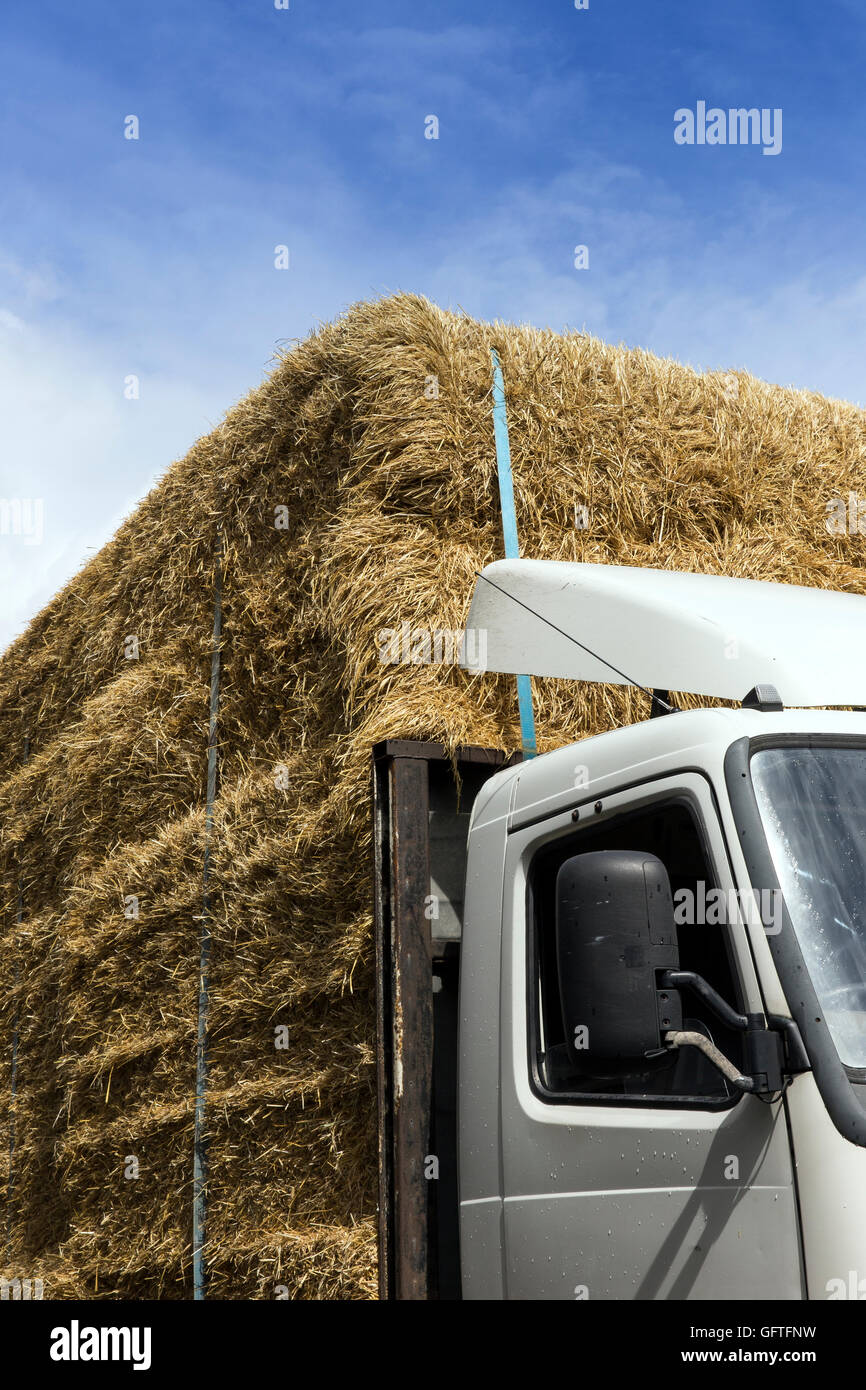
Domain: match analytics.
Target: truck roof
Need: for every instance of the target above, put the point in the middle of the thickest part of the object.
(643, 751)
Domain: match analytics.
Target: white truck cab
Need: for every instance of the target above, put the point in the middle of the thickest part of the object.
(627, 1057)
(662, 1015)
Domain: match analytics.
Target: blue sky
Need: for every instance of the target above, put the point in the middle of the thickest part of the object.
(305, 127)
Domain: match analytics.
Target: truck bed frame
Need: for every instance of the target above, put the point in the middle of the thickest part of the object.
(422, 798)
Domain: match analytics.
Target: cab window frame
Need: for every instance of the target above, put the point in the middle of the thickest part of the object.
(561, 847)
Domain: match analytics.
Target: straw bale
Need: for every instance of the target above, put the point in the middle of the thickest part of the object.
(354, 491)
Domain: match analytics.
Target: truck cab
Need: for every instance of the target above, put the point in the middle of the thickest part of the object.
(660, 1028)
(616, 1177)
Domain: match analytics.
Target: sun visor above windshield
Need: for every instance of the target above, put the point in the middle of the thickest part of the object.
(706, 634)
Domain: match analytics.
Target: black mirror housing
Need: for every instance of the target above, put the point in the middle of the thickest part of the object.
(614, 931)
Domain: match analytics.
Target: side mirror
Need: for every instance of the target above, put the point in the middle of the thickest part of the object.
(614, 932)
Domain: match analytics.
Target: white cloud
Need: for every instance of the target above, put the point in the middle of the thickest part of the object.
(74, 446)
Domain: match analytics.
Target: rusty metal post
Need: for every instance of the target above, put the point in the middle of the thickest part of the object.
(406, 1029)
(407, 1050)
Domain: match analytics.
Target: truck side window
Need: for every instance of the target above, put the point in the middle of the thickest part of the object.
(671, 831)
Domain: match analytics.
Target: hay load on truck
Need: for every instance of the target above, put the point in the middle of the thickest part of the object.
(275, 1027)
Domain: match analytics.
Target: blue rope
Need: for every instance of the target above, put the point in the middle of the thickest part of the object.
(509, 532)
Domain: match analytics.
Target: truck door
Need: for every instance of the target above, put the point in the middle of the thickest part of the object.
(645, 1180)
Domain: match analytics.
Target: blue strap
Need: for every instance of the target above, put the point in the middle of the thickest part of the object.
(509, 532)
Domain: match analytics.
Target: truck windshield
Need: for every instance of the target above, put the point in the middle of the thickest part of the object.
(813, 806)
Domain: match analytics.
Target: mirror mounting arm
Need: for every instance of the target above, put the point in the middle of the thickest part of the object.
(712, 1053)
(687, 979)
(764, 1046)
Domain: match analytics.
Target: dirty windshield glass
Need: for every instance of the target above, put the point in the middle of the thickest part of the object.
(813, 806)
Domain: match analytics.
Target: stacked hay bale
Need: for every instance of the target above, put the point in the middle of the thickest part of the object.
(355, 490)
